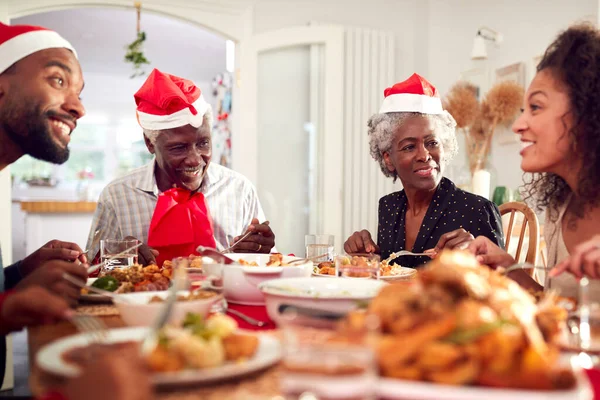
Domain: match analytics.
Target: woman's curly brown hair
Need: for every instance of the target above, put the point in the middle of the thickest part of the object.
(574, 60)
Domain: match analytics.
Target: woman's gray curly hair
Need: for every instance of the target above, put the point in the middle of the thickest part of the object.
(381, 133)
(207, 120)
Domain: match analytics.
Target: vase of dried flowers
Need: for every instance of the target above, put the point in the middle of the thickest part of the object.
(477, 121)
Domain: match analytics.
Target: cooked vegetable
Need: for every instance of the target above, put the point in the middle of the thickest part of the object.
(108, 283)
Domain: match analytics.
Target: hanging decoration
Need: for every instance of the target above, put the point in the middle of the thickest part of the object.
(135, 54)
(221, 86)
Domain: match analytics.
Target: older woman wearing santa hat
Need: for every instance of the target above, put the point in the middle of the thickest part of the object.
(412, 138)
(181, 199)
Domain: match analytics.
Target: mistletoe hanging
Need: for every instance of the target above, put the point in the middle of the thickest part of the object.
(135, 54)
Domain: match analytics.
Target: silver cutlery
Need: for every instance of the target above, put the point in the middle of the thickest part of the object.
(227, 250)
(91, 326)
(224, 308)
(93, 289)
(515, 267)
(242, 238)
(178, 283)
(403, 253)
(304, 260)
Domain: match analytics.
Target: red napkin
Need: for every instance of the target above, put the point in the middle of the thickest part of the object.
(256, 312)
(181, 222)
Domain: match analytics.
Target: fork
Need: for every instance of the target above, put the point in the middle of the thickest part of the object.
(303, 260)
(236, 243)
(91, 326)
(402, 253)
(179, 280)
(78, 283)
(522, 266)
(242, 238)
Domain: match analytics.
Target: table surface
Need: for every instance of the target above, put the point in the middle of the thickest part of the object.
(259, 385)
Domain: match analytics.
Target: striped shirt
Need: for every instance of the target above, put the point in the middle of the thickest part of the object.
(126, 205)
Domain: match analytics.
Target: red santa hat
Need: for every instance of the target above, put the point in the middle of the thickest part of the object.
(415, 94)
(167, 101)
(19, 41)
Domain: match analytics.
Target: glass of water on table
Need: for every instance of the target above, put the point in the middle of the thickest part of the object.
(112, 247)
(321, 362)
(319, 245)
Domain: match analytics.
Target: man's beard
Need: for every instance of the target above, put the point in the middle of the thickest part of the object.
(29, 128)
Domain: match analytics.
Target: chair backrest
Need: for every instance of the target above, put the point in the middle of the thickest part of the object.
(529, 220)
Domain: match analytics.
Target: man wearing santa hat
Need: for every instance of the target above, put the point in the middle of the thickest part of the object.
(40, 84)
(177, 126)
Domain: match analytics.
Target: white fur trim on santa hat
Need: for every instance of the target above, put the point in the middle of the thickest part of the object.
(175, 120)
(28, 43)
(408, 102)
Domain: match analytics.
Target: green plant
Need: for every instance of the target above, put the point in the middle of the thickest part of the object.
(136, 56)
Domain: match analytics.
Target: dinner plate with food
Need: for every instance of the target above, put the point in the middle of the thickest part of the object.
(464, 331)
(198, 351)
(135, 278)
(396, 272)
(325, 269)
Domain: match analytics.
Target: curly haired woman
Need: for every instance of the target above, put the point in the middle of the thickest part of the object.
(412, 138)
(560, 136)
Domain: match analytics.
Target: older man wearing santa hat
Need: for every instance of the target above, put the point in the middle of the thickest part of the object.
(180, 200)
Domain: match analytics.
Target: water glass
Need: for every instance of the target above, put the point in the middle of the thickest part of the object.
(112, 247)
(358, 265)
(319, 245)
(583, 333)
(319, 364)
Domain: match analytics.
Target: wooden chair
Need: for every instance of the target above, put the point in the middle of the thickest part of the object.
(529, 219)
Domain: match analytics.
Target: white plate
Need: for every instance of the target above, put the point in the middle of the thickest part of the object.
(248, 269)
(268, 353)
(323, 275)
(396, 389)
(94, 298)
(322, 289)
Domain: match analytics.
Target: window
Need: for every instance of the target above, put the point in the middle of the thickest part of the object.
(107, 150)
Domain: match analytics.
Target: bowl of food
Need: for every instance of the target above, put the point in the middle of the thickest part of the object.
(142, 308)
(241, 280)
(365, 266)
(334, 295)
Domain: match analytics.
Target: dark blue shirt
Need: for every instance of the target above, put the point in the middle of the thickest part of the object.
(450, 209)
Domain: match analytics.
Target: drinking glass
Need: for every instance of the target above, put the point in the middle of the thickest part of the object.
(319, 245)
(583, 333)
(320, 364)
(112, 247)
(358, 265)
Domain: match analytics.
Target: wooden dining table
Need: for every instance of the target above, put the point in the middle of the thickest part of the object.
(259, 385)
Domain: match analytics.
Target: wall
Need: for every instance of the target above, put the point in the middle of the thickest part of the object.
(398, 16)
(528, 28)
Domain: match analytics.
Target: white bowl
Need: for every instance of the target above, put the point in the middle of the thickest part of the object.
(240, 282)
(136, 309)
(336, 295)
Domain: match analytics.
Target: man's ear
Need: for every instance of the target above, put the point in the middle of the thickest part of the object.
(3, 86)
(388, 162)
(149, 144)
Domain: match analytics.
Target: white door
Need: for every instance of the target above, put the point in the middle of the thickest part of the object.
(289, 140)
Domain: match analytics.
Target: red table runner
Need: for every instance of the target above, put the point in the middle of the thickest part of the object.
(256, 312)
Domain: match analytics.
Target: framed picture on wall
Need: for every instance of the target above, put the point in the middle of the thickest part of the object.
(479, 77)
(513, 72)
